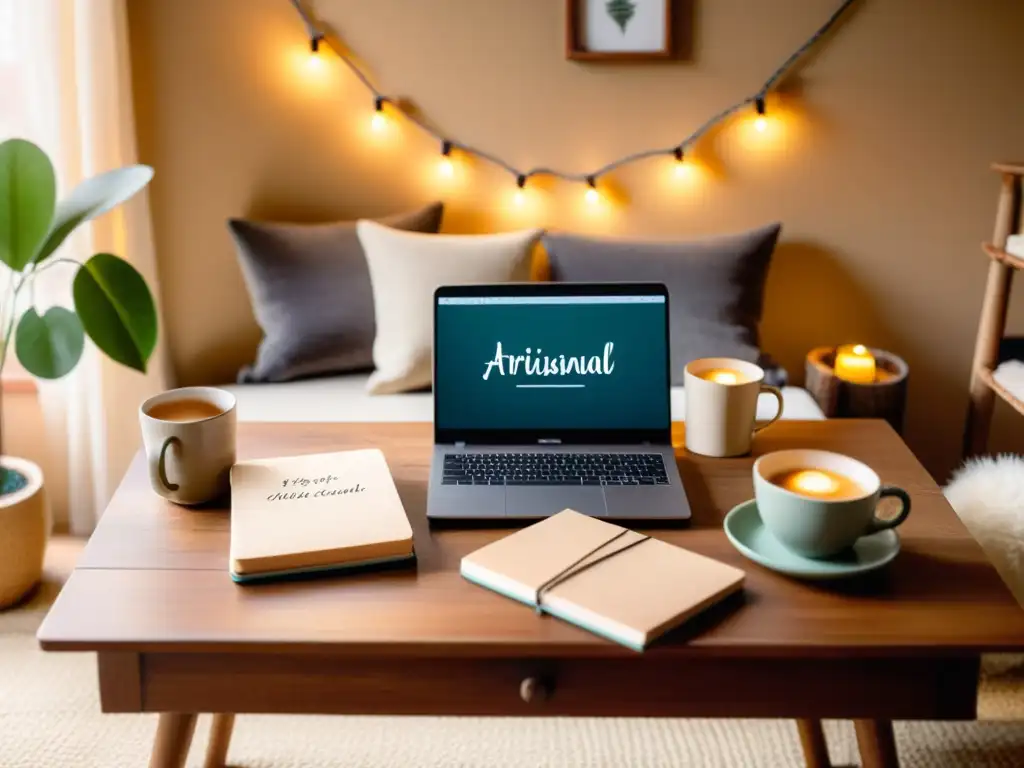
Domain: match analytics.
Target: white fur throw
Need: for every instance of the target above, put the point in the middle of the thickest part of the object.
(988, 495)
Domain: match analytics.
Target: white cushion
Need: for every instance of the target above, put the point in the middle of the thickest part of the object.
(344, 398)
(405, 270)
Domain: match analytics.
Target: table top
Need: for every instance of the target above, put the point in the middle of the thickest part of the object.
(154, 576)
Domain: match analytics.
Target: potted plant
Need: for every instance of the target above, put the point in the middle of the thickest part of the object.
(112, 306)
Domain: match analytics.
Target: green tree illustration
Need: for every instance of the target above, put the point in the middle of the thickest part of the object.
(621, 12)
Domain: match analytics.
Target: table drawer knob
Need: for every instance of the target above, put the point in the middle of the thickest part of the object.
(534, 690)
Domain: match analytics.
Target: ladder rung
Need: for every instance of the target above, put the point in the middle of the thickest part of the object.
(985, 374)
(1017, 169)
(998, 254)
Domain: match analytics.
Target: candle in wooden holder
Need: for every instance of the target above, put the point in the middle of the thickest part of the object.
(855, 363)
(884, 395)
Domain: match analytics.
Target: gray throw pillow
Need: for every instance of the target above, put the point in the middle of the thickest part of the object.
(715, 285)
(310, 290)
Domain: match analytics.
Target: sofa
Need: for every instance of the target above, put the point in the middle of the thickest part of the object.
(345, 398)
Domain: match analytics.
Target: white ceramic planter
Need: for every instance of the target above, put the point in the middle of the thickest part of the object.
(24, 529)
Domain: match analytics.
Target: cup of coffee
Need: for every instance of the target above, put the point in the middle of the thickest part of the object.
(818, 503)
(721, 405)
(189, 438)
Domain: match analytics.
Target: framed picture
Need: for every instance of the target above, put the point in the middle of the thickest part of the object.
(618, 30)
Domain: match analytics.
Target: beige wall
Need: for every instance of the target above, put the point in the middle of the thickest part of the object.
(879, 169)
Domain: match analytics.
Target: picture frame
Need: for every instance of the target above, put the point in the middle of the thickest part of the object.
(619, 30)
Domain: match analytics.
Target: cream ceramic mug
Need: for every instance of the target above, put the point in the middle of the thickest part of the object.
(721, 412)
(189, 438)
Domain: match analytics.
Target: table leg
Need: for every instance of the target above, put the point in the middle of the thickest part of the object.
(173, 738)
(812, 740)
(877, 743)
(220, 740)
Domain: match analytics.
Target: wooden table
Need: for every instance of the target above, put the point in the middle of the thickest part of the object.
(151, 596)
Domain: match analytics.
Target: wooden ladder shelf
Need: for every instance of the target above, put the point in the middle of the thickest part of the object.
(984, 387)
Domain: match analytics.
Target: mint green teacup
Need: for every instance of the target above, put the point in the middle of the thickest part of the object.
(827, 506)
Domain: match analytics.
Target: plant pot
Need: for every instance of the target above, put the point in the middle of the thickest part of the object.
(24, 529)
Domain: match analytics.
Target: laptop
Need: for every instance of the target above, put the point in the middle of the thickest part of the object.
(551, 396)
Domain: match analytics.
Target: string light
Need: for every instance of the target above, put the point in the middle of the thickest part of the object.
(520, 196)
(446, 168)
(379, 121)
(761, 123)
(592, 195)
(680, 169)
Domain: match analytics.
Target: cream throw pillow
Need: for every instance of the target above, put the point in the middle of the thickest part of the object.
(406, 269)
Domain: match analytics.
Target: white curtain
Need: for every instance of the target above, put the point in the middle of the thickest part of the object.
(72, 96)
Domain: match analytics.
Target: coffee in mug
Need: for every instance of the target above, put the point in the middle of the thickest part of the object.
(721, 405)
(723, 376)
(187, 409)
(818, 483)
(189, 438)
(818, 503)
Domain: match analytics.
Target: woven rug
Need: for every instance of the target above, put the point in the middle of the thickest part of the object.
(50, 718)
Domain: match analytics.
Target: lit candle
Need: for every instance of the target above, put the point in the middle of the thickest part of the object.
(855, 363)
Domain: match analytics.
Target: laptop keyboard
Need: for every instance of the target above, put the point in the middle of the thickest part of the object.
(554, 469)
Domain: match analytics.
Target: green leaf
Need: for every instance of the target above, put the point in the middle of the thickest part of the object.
(49, 345)
(621, 12)
(28, 190)
(91, 198)
(116, 309)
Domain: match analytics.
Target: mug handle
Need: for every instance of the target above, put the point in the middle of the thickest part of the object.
(158, 466)
(778, 396)
(877, 524)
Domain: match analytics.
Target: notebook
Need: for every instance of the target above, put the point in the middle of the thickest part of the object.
(602, 577)
(319, 512)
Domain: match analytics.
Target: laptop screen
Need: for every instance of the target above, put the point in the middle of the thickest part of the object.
(551, 364)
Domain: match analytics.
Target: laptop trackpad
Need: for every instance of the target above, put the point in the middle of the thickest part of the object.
(546, 500)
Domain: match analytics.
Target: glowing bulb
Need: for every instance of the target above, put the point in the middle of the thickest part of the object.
(315, 63)
(760, 125)
(446, 168)
(592, 196)
(518, 199)
(859, 349)
(378, 123)
(681, 170)
(813, 481)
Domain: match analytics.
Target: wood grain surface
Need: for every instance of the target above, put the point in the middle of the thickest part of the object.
(154, 575)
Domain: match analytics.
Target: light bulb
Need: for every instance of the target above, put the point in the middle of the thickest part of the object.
(446, 168)
(592, 196)
(760, 124)
(378, 122)
(520, 196)
(680, 170)
(859, 349)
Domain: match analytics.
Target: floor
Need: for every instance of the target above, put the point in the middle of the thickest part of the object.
(49, 716)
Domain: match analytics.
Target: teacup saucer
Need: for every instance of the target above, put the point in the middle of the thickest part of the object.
(747, 533)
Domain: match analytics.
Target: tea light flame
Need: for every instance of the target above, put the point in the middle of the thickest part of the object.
(813, 481)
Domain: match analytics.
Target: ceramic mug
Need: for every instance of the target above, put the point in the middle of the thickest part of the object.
(821, 527)
(190, 459)
(720, 417)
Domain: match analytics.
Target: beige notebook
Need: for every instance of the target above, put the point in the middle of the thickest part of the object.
(602, 577)
(318, 512)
